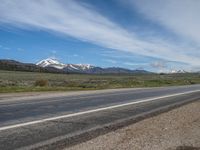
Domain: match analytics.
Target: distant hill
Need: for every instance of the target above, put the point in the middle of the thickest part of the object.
(54, 66)
(13, 65)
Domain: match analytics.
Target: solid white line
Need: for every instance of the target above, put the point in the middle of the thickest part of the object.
(92, 111)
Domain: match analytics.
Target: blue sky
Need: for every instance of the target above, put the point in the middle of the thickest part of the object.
(154, 35)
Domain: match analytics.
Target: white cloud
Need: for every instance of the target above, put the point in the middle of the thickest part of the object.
(135, 64)
(159, 64)
(75, 55)
(84, 23)
(181, 16)
(20, 49)
(4, 48)
(110, 61)
(54, 52)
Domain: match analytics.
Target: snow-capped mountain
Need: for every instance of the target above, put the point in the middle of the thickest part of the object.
(178, 71)
(53, 63)
(85, 66)
(55, 66)
(50, 62)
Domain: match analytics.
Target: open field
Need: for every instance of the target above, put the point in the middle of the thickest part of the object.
(15, 81)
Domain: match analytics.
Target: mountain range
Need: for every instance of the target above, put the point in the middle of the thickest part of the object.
(83, 68)
(54, 66)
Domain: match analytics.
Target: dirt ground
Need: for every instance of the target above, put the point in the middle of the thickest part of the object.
(178, 129)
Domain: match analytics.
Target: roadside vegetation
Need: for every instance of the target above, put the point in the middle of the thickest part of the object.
(16, 81)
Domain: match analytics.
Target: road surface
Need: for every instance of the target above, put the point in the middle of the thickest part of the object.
(56, 122)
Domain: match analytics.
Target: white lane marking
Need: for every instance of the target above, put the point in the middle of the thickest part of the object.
(74, 98)
(92, 111)
(81, 96)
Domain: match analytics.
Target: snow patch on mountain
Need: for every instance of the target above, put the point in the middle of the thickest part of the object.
(177, 71)
(50, 62)
(85, 66)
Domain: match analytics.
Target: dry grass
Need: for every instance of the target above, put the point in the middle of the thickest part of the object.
(16, 81)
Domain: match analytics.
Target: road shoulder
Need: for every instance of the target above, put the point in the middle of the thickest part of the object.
(178, 127)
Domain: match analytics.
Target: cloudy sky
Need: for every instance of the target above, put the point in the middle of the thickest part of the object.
(156, 35)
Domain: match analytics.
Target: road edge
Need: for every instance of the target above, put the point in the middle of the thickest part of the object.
(71, 140)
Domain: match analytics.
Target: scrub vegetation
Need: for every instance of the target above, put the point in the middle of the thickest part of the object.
(17, 81)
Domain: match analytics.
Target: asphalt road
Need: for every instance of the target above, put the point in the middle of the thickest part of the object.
(53, 123)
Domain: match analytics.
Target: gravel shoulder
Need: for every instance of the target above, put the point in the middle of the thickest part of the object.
(178, 129)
